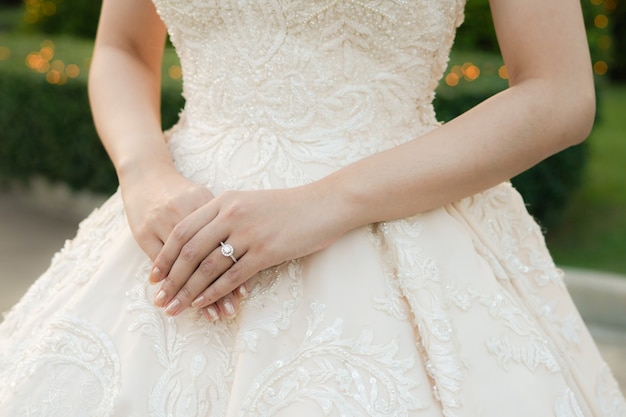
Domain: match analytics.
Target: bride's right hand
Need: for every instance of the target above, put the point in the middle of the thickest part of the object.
(156, 198)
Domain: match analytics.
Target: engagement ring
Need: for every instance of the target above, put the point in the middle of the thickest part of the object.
(228, 251)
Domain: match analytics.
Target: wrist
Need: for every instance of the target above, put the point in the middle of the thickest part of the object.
(338, 203)
(132, 169)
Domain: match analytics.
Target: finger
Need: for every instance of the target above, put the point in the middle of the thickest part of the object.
(207, 272)
(237, 296)
(229, 305)
(153, 237)
(200, 248)
(214, 311)
(209, 269)
(151, 247)
(211, 313)
(190, 274)
(226, 306)
(230, 280)
(238, 293)
(176, 240)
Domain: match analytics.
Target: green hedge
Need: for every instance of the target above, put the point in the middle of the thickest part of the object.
(618, 36)
(48, 131)
(74, 17)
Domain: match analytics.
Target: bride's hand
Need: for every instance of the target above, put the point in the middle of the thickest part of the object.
(265, 228)
(157, 198)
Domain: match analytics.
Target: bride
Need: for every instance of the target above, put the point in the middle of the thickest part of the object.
(308, 240)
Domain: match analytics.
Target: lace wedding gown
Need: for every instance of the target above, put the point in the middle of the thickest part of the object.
(459, 311)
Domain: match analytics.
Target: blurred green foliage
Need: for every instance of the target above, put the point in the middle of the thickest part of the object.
(48, 131)
(72, 17)
(617, 28)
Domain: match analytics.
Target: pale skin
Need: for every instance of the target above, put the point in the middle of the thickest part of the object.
(549, 106)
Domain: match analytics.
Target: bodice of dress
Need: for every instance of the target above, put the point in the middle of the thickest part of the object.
(311, 68)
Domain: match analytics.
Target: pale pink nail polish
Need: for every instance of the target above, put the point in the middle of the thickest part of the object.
(160, 297)
(155, 275)
(243, 291)
(210, 310)
(198, 301)
(228, 306)
(172, 307)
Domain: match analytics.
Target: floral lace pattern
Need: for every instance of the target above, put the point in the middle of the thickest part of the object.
(335, 375)
(77, 367)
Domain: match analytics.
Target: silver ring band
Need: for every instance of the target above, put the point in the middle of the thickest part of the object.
(228, 251)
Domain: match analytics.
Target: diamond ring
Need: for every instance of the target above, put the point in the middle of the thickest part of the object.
(228, 251)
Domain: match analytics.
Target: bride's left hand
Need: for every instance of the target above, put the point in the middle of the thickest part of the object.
(265, 228)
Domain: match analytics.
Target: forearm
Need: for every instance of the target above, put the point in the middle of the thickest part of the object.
(124, 96)
(491, 143)
(124, 85)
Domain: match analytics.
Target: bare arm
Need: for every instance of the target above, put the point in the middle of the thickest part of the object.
(125, 80)
(548, 107)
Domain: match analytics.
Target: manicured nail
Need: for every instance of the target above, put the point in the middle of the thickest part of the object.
(212, 312)
(228, 306)
(160, 297)
(172, 307)
(198, 301)
(155, 275)
(243, 291)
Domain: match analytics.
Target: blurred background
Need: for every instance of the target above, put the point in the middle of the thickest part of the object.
(53, 169)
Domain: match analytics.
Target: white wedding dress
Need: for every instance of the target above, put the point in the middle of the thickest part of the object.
(457, 312)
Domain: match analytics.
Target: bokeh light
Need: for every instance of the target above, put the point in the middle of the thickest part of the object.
(601, 21)
(48, 8)
(452, 80)
(610, 5)
(470, 71)
(35, 10)
(175, 72)
(55, 70)
(600, 67)
(72, 71)
(503, 73)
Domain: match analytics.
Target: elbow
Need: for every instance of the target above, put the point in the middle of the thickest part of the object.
(583, 117)
(578, 104)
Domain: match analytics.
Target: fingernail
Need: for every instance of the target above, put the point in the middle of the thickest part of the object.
(172, 307)
(243, 291)
(212, 312)
(155, 275)
(198, 301)
(160, 297)
(228, 306)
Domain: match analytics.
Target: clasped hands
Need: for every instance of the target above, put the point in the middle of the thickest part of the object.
(180, 225)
